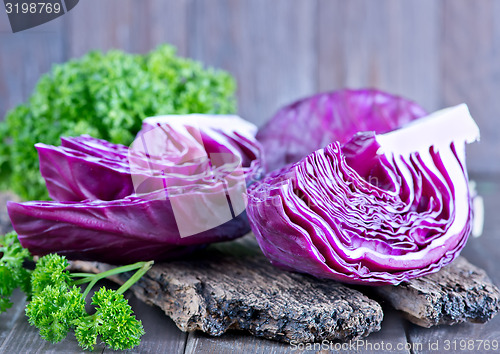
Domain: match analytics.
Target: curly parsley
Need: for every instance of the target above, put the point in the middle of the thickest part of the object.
(106, 96)
(58, 305)
(12, 273)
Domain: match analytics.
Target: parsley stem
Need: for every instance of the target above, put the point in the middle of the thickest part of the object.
(82, 274)
(94, 278)
(134, 278)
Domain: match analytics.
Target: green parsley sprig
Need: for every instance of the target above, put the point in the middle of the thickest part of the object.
(58, 305)
(12, 273)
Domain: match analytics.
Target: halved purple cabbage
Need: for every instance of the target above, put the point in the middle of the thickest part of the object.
(379, 209)
(180, 186)
(311, 123)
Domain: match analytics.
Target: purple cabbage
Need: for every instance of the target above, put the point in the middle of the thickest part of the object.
(181, 185)
(311, 123)
(119, 231)
(376, 209)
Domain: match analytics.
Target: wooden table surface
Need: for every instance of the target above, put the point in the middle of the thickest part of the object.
(396, 336)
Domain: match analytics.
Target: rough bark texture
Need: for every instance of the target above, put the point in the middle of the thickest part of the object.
(457, 293)
(233, 286)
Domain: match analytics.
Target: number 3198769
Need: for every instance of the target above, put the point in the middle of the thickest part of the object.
(33, 7)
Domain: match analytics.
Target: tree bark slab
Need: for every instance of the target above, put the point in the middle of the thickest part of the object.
(458, 293)
(233, 286)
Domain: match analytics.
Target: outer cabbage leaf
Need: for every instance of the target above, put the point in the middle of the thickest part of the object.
(181, 185)
(72, 175)
(117, 232)
(379, 209)
(311, 123)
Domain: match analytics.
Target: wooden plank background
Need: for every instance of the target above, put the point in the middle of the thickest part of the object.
(437, 52)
